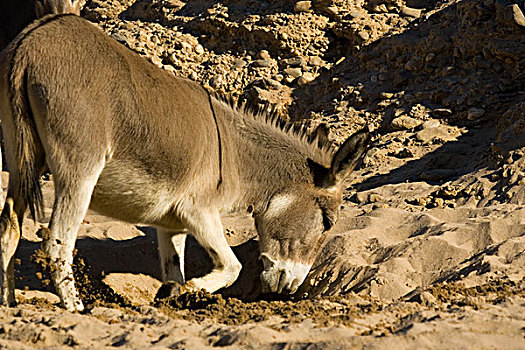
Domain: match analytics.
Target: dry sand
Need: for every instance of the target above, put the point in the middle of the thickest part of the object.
(429, 250)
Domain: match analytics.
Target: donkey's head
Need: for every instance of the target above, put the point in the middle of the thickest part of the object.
(296, 220)
(44, 7)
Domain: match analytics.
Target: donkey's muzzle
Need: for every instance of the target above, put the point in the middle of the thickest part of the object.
(282, 276)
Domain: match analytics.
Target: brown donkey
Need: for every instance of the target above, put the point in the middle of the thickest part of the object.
(15, 15)
(133, 142)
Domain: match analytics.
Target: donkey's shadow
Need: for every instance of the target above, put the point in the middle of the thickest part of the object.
(139, 255)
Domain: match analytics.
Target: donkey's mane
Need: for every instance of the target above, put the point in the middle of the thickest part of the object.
(271, 116)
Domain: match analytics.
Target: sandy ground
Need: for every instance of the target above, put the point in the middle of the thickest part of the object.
(429, 250)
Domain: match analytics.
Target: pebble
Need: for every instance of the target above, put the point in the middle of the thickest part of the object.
(363, 35)
(411, 12)
(316, 61)
(332, 10)
(199, 49)
(295, 61)
(238, 63)
(475, 113)
(431, 123)
(405, 122)
(430, 56)
(428, 299)
(264, 55)
(293, 72)
(303, 6)
(517, 15)
(262, 63)
(305, 79)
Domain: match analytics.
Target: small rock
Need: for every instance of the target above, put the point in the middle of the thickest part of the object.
(264, 55)
(305, 79)
(374, 198)
(199, 49)
(517, 15)
(429, 134)
(316, 61)
(427, 299)
(431, 123)
(303, 6)
(262, 63)
(332, 10)
(405, 122)
(294, 72)
(361, 197)
(475, 113)
(295, 61)
(442, 112)
(411, 12)
(363, 35)
(284, 36)
(355, 14)
(387, 95)
(430, 56)
(238, 63)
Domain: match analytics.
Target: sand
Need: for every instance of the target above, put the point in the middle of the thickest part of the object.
(429, 250)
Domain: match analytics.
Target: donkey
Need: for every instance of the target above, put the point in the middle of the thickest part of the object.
(17, 14)
(138, 144)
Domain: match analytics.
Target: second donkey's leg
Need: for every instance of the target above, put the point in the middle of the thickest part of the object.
(73, 192)
(171, 254)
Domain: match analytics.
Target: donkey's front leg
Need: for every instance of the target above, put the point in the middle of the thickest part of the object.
(207, 229)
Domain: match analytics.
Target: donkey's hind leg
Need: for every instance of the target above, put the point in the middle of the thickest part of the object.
(9, 238)
(171, 254)
(73, 192)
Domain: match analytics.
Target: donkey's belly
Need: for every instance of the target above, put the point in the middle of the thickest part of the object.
(134, 196)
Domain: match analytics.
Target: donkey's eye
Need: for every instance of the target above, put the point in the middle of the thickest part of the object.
(327, 223)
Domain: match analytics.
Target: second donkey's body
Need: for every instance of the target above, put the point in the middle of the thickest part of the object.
(133, 142)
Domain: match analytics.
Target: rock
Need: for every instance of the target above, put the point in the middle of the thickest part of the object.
(264, 55)
(411, 12)
(405, 122)
(238, 63)
(262, 63)
(517, 15)
(295, 61)
(303, 6)
(138, 289)
(427, 299)
(431, 123)
(363, 35)
(442, 112)
(332, 10)
(427, 135)
(430, 56)
(305, 79)
(294, 72)
(374, 198)
(475, 113)
(199, 49)
(316, 61)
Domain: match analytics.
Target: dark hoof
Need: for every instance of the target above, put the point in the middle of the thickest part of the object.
(167, 290)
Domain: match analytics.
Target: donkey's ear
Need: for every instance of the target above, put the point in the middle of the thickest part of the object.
(347, 156)
(40, 9)
(322, 176)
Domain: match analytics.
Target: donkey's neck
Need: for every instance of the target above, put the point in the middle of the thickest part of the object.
(269, 159)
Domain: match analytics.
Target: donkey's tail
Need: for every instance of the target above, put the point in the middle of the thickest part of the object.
(25, 142)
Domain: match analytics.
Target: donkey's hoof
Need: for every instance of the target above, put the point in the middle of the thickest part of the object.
(169, 289)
